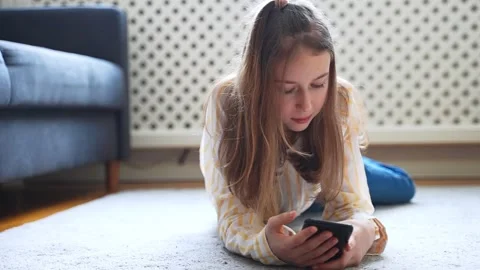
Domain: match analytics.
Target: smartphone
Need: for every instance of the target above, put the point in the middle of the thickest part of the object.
(339, 230)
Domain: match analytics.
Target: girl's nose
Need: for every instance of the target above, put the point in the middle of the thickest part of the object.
(305, 101)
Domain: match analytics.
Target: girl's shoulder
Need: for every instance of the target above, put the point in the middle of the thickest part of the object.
(345, 91)
(345, 96)
(220, 90)
(215, 102)
(351, 109)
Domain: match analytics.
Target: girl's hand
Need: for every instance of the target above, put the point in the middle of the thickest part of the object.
(297, 249)
(351, 257)
(359, 243)
(281, 3)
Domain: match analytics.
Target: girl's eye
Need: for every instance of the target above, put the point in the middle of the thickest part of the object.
(318, 85)
(289, 91)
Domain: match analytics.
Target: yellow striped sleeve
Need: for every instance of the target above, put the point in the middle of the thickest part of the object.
(353, 201)
(240, 229)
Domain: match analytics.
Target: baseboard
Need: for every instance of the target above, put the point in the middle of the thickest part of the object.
(129, 173)
(390, 136)
(422, 162)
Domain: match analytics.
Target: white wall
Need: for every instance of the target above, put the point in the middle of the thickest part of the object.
(416, 64)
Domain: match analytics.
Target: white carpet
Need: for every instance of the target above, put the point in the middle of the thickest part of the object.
(175, 229)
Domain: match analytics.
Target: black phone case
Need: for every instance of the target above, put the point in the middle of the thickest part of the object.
(341, 231)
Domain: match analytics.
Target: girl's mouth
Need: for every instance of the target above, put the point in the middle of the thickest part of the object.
(301, 120)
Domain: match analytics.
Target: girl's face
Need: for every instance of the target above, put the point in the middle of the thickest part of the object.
(304, 89)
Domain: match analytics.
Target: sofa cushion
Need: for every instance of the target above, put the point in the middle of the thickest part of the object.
(41, 77)
(5, 89)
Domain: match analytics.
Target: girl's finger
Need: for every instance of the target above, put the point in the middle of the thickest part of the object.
(301, 237)
(281, 3)
(324, 257)
(339, 263)
(317, 247)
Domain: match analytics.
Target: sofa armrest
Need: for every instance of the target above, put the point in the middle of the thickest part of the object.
(99, 32)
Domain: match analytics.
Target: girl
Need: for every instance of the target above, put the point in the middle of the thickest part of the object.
(281, 134)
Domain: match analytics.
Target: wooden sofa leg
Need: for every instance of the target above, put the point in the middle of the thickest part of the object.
(113, 175)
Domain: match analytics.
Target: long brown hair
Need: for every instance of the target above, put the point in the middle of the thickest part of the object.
(253, 143)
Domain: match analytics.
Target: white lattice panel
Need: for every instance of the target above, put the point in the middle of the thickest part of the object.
(416, 63)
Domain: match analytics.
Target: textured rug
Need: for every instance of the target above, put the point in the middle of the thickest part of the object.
(175, 229)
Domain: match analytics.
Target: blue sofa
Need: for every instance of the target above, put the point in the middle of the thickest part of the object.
(64, 99)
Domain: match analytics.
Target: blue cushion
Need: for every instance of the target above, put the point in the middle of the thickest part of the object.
(388, 184)
(42, 77)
